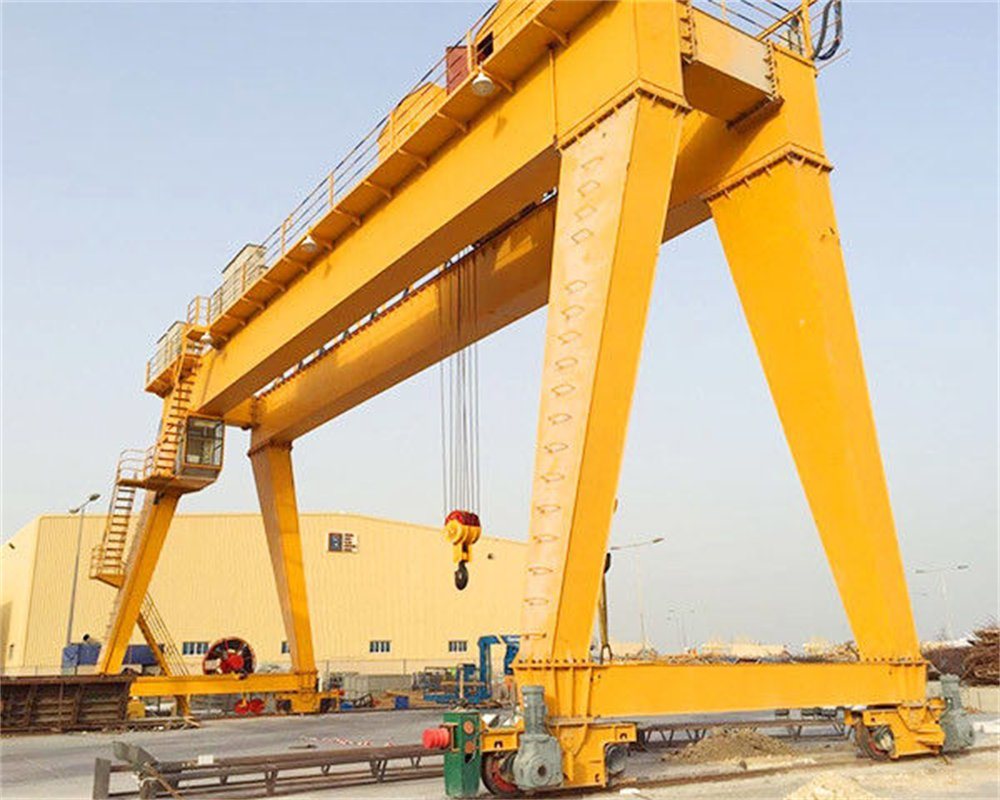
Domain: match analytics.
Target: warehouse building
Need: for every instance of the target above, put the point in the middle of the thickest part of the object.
(381, 593)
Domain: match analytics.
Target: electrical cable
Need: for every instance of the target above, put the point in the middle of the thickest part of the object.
(819, 54)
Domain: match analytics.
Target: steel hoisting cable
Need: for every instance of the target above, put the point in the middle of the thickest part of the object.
(459, 403)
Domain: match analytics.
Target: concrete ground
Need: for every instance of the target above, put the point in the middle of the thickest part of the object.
(61, 766)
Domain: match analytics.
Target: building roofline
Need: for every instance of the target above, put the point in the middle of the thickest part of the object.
(302, 514)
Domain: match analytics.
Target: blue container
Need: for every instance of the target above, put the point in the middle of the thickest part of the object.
(402, 702)
(83, 654)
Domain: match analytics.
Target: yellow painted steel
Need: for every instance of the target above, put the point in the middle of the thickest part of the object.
(461, 536)
(272, 468)
(627, 689)
(485, 175)
(142, 561)
(172, 685)
(648, 119)
(509, 275)
(614, 184)
(915, 727)
(782, 242)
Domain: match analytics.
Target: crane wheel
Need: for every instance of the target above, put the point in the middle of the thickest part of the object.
(875, 743)
(494, 766)
(461, 576)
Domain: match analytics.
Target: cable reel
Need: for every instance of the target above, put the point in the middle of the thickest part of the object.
(229, 656)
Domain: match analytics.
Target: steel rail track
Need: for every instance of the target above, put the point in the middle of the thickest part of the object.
(278, 774)
(662, 734)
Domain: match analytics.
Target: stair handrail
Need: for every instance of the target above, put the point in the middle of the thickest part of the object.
(162, 635)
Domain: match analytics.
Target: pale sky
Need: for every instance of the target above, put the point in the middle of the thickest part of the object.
(144, 143)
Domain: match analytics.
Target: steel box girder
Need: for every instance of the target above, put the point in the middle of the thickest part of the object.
(420, 332)
(505, 161)
(632, 689)
(510, 280)
(172, 685)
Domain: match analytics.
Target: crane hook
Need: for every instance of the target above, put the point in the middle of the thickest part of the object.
(462, 528)
(461, 576)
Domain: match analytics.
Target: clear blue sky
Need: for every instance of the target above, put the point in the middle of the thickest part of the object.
(144, 143)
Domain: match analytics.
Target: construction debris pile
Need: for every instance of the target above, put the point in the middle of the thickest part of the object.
(976, 662)
(732, 743)
(981, 666)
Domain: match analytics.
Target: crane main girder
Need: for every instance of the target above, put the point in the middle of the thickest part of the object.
(478, 179)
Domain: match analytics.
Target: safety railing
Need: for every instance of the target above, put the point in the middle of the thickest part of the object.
(785, 23)
(174, 344)
(161, 634)
(199, 311)
(459, 62)
(135, 465)
(789, 24)
(168, 350)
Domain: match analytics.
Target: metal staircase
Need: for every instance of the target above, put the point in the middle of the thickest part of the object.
(171, 435)
(149, 471)
(108, 565)
(107, 561)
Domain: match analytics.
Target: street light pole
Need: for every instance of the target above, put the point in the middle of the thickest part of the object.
(677, 614)
(941, 572)
(638, 582)
(76, 563)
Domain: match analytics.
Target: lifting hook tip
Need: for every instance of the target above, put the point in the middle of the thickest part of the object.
(461, 576)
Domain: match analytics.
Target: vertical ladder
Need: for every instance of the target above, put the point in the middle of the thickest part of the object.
(171, 434)
(168, 442)
(107, 561)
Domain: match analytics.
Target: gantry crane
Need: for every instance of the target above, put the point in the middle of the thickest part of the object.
(543, 161)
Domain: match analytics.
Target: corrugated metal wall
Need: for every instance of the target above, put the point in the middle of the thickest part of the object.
(17, 564)
(215, 579)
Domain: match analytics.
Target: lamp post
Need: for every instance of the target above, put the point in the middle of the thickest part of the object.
(942, 572)
(76, 564)
(638, 581)
(678, 616)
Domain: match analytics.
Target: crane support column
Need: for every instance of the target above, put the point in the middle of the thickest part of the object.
(149, 539)
(781, 239)
(614, 185)
(272, 469)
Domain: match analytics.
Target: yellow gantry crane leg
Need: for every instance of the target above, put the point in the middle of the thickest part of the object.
(762, 176)
(272, 469)
(614, 184)
(149, 539)
(781, 240)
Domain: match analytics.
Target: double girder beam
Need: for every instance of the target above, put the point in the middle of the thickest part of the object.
(645, 119)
